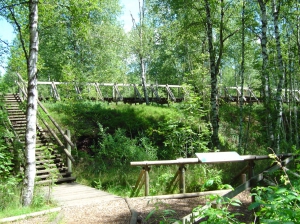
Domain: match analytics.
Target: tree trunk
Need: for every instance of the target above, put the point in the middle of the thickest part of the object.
(213, 77)
(276, 9)
(142, 59)
(265, 72)
(30, 136)
(143, 76)
(242, 80)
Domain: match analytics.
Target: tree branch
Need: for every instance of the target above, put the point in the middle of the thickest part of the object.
(20, 34)
(13, 5)
(230, 35)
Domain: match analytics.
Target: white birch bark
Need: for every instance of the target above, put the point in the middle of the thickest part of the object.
(30, 136)
(281, 72)
(242, 80)
(213, 76)
(265, 73)
(142, 59)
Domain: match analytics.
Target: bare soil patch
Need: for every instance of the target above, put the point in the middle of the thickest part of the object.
(118, 211)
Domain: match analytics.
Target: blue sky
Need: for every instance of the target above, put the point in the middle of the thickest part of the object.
(130, 6)
(6, 30)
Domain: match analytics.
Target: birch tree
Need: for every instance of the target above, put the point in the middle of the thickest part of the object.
(276, 10)
(141, 49)
(214, 70)
(31, 112)
(242, 79)
(265, 79)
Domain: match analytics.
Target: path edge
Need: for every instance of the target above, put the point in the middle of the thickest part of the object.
(30, 215)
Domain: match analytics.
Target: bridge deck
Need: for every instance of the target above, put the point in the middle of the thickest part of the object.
(74, 194)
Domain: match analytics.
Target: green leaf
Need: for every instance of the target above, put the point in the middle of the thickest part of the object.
(281, 191)
(235, 204)
(150, 214)
(254, 205)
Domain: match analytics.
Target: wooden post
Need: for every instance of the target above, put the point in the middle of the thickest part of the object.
(114, 92)
(251, 174)
(182, 179)
(69, 162)
(243, 176)
(19, 89)
(147, 169)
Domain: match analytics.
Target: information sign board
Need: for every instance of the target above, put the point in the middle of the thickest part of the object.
(219, 157)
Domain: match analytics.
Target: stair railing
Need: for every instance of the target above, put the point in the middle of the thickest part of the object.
(21, 84)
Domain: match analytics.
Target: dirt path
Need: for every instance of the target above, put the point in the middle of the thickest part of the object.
(84, 205)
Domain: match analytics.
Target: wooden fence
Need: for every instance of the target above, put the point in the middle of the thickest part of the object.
(252, 181)
(144, 179)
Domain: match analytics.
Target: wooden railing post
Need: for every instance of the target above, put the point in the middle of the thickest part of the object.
(69, 162)
(251, 174)
(182, 178)
(244, 178)
(147, 169)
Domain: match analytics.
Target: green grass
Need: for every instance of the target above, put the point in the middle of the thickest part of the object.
(19, 210)
(13, 206)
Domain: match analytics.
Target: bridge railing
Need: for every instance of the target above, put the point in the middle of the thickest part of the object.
(65, 137)
(234, 94)
(112, 92)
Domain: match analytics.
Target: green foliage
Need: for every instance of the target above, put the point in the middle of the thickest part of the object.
(116, 150)
(216, 210)
(169, 129)
(10, 205)
(161, 181)
(9, 192)
(280, 203)
(276, 204)
(206, 178)
(161, 215)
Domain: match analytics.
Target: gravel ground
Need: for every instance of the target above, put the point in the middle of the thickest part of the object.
(118, 211)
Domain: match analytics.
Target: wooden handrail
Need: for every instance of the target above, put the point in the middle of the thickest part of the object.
(66, 138)
(196, 160)
(183, 161)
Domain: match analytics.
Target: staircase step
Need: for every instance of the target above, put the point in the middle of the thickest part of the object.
(43, 166)
(59, 175)
(17, 117)
(52, 170)
(46, 163)
(65, 179)
(44, 182)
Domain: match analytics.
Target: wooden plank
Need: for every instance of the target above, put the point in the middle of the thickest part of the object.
(166, 162)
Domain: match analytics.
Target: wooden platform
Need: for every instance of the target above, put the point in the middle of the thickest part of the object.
(74, 194)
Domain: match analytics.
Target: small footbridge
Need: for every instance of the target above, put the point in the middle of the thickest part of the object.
(112, 92)
(160, 94)
(134, 93)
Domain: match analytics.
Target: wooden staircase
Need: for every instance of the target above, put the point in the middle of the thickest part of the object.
(49, 162)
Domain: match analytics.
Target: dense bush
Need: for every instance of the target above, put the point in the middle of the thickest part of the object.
(175, 131)
(9, 169)
(116, 150)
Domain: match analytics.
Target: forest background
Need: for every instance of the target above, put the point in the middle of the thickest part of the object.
(204, 45)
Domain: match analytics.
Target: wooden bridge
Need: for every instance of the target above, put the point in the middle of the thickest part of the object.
(160, 94)
(112, 92)
(133, 93)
